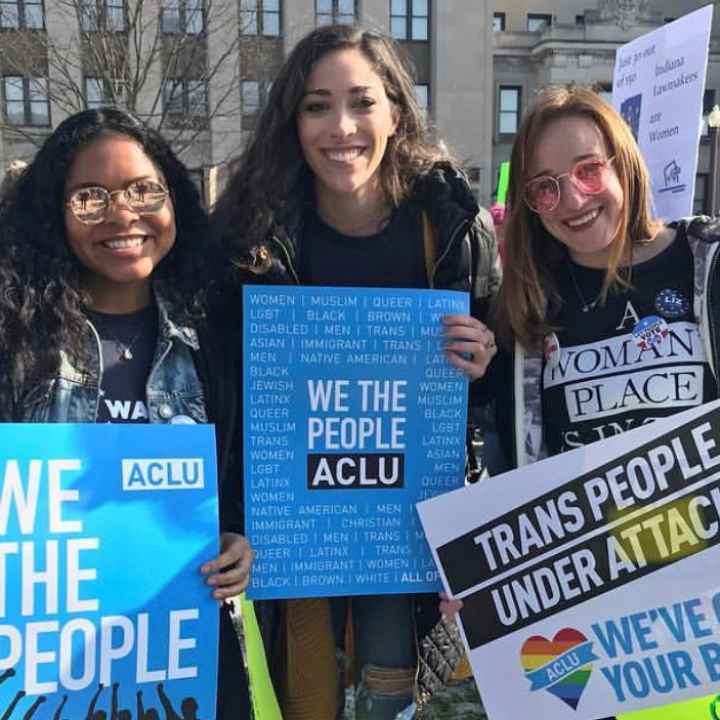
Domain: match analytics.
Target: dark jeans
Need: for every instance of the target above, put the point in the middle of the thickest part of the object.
(384, 643)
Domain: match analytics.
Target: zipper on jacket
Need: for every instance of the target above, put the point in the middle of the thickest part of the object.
(463, 225)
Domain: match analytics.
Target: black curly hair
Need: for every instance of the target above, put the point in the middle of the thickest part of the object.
(41, 299)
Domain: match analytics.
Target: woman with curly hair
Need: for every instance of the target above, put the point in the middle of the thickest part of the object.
(341, 186)
(101, 311)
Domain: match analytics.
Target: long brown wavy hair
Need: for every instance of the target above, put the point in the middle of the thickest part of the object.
(529, 295)
(271, 181)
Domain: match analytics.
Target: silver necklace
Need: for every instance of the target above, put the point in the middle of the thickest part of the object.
(124, 350)
(585, 306)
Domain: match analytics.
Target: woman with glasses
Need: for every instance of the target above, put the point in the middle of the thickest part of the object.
(102, 315)
(609, 315)
(338, 187)
(605, 307)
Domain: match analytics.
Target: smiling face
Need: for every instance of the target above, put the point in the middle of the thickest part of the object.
(585, 224)
(344, 122)
(119, 254)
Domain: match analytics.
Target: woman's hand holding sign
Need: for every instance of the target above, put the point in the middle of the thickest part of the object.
(449, 608)
(229, 573)
(470, 346)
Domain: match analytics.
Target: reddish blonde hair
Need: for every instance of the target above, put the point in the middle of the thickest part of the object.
(529, 291)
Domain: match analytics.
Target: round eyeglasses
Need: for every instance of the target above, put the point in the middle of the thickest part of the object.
(542, 194)
(89, 205)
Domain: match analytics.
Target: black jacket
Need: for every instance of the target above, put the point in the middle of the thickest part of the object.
(464, 258)
(465, 252)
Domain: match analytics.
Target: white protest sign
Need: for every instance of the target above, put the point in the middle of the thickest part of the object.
(591, 580)
(658, 87)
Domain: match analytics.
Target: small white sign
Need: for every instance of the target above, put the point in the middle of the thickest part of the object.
(658, 87)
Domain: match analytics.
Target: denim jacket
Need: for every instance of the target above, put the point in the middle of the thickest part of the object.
(173, 387)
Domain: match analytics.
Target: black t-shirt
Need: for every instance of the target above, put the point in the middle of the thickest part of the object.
(128, 346)
(394, 257)
(636, 358)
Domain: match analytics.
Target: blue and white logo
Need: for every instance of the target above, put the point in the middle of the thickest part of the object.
(163, 474)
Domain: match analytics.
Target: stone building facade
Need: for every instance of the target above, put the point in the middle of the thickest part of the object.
(478, 64)
(538, 42)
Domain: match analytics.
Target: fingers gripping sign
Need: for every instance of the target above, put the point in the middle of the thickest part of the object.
(229, 573)
(470, 344)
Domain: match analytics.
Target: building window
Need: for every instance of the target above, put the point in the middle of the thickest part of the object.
(94, 92)
(537, 22)
(254, 95)
(250, 93)
(173, 97)
(115, 15)
(260, 17)
(509, 109)
(499, 22)
(422, 93)
(109, 15)
(26, 14)
(102, 91)
(26, 101)
(580, 20)
(185, 98)
(701, 183)
(197, 98)
(328, 12)
(409, 19)
(182, 16)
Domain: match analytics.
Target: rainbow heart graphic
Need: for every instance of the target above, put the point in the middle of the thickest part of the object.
(562, 666)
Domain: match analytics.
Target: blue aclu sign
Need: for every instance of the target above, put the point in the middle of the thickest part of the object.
(102, 605)
(352, 414)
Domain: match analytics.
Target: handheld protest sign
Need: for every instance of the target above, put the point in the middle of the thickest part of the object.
(658, 87)
(503, 182)
(102, 605)
(352, 413)
(589, 579)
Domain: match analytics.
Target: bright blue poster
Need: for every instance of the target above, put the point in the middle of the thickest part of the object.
(103, 610)
(352, 414)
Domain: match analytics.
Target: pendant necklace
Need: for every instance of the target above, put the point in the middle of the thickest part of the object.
(585, 306)
(124, 349)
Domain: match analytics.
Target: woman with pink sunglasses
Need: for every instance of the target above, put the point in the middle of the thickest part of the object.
(607, 318)
(609, 314)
